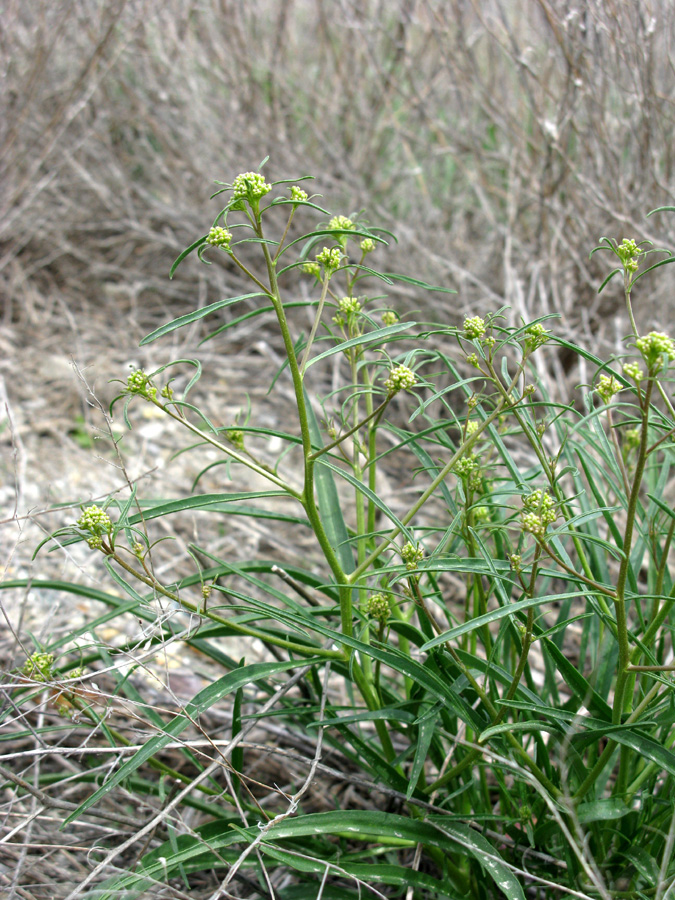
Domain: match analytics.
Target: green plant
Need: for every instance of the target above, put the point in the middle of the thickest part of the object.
(515, 736)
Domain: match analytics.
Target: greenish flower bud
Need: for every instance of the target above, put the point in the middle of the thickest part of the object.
(465, 465)
(38, 666)
(139, 383)
(474, 327)
(312, 268)
(533, 524)
(654, 347)
(400, 379)
(378, 607)
(349, 306)
(632, 438)
(250, 186)
(341, 223)
(473, 360)
(535, 336)
(297, 194)
(329, 259)
(94, 520)
(219, 237)
(629, 252)
(389, 317)
(411, 555)
(236, 437)
(367, 245)
(607, 387)
(633, 370)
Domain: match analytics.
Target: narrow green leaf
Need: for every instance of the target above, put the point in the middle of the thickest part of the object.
(371, 337)
(187, 252)
(425, 733)
(328, 499)
(194, 316)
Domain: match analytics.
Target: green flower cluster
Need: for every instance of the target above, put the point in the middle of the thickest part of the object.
(633, 370)
(632, 438)
(329, 259)
(341, 223)
(474, 327)
(250, 186)
(466, 465)
(139, 383)
(411, 555)
(400, 379)
(312, 268)
(535, 336)
(96, 522)
(389, 317)
(629, 252)
(538, 512)
(349, 307)
(297, 194)
(367, 245)
(219, 237)
(39, 666)
(378, 607)
(654, 347)
(607, 387)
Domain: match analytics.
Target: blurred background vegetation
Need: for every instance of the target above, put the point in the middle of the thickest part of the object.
(498, 139)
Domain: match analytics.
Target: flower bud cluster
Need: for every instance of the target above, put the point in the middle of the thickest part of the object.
(481, 514)
(389, 317)
(235, 437)
(535, 336)
(474, 327)
(401, 378)
(411, 555)
(629, 252)
(607, 387)
(367, 245)
(329, 259)
(219, 237)
(341, 223)
(466, 465)
(39, 666)
(378, 607)
(538, 512)
(139, 383)
(349, 307)
(312, 268)
(97, 522)
(632, 438)
(297, 194)
(654, 347)
(250, 186)
(633, 370)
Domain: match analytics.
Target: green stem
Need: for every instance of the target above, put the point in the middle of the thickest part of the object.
(260, 470)
(188, 605)
(308, 499)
